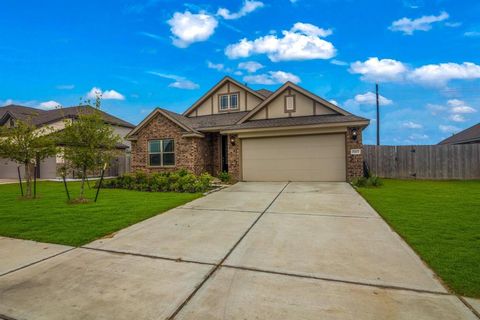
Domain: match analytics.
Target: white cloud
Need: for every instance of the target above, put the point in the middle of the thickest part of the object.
(453, 24)
(302, 42)
(65, 86)
(179, 82)
(250, 66)
(188, 27)
(457, 118)
(472, 34)
(369, 98)
(459, 106)
(440, 74)
(7, 102)
(105, 95)
(216, 66)
(48, 105)
(381, 70)
(424, 23)
(310, 29)
(411, 125)
(389, 70)
(333, 102)
(272, 77)
(339, 62)
(448, 128)
(248, 7)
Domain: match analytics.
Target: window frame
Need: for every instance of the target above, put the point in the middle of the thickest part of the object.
(161, 152)
(229, 101)
(294, 109)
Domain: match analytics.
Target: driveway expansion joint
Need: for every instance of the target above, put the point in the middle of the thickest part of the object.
(219, 265)
(323, 215)
(357, 283)
(220, 210)
(469, 306)
(179, 260)
(38, 261)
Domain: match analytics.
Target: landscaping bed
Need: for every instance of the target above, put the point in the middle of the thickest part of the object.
(441, 221)
(50, 218)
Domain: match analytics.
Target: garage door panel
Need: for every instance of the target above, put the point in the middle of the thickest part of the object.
(296, 158)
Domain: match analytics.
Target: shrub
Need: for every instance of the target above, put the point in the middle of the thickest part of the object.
(372, 181)
(178, 181)
(224, 177)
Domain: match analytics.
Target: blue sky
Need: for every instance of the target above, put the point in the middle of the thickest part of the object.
(143, 54)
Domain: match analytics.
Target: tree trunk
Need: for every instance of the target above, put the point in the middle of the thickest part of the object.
(82, 188)
(28, 179)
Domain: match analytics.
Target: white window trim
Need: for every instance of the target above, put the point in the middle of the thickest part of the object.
(229, 100)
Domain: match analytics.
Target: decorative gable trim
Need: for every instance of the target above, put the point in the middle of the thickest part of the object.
(292, 86)
(226, 80)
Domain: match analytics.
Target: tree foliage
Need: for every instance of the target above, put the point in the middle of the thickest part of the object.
(88, 143)
(26, 145)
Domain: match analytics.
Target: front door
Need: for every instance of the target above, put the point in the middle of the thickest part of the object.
(224, 153)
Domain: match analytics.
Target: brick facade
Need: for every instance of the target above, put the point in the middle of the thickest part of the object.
(193, 154)
(234, 157)
(354, 162)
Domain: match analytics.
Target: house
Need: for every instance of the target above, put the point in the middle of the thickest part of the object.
(469, 135)
(255, 135)
(55, 119)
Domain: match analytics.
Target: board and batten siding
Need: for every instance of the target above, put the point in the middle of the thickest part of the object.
(440, 162)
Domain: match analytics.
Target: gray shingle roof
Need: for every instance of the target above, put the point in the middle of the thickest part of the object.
(227, 121)
(217, 120)
(468, 135)
(264, 92)
(296, 121)
(42, 117)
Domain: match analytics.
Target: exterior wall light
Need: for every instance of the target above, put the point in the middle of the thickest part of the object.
(354, 134)
(232, 140)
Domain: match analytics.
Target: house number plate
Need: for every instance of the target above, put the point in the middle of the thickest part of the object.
(356, 151)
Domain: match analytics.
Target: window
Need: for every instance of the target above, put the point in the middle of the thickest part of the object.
(290, 103)
(161, 153)
(228, 102)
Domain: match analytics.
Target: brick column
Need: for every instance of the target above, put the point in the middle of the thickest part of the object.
(354, 162)
(234, 157)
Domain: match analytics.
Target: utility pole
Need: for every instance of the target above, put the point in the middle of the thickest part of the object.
(378, 115)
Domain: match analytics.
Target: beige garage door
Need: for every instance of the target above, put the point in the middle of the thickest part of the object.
(294, 158)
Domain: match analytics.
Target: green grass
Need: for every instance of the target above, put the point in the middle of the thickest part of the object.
(51, 219)
(441, 221)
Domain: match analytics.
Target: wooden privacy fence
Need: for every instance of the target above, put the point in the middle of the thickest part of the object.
(424, 162)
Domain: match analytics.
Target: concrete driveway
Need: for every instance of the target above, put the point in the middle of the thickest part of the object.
(252, 251)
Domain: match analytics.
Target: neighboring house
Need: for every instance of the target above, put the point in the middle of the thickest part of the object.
(469, 135)
(55, 119)
(287, 135)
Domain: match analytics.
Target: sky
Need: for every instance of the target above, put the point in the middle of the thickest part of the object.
(163, 53)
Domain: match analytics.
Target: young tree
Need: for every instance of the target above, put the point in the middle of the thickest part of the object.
(26, 144)
(88, 143)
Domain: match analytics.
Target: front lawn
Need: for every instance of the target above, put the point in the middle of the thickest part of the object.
(441, 221)
(50, 219)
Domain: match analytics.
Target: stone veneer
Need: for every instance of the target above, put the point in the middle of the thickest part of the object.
(354, 162)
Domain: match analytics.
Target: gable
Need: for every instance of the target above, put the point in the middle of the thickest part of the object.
(291, 100)
(248, 99)
(162, 116)
(302, 106)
